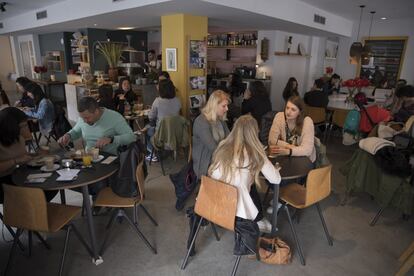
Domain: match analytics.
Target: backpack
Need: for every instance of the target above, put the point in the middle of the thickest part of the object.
(352, 122)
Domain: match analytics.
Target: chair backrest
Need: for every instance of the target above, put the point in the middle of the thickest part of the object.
(25, 208)
(217, 202)
(318, 185)
(140, 179)
(318, 114)
(339, 116)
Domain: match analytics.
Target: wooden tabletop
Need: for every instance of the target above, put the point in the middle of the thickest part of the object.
(86, 176)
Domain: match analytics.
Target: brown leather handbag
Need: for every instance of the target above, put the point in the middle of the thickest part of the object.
(274, 251)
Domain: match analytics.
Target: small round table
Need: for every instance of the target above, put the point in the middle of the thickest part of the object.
(292, 167)
(86, 177)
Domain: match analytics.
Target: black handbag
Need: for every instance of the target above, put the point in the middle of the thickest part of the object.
(403, 140)
(184, 182)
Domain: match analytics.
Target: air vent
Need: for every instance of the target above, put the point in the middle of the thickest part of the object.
(41, 15)
(319, 19)
(1, 25)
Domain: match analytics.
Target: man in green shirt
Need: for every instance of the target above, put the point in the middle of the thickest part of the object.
(99, 127)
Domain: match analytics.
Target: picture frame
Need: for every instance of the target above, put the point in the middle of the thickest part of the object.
(171, 59)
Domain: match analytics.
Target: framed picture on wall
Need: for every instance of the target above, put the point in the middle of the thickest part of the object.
(171, 58)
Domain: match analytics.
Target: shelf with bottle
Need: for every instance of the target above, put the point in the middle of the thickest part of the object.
(232, 40)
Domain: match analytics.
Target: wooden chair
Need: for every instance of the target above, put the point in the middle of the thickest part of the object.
(318, 116)
(27, 209)
(338, 119)
(217, 203)
(107, 198)
(406, 261)
(318, 187)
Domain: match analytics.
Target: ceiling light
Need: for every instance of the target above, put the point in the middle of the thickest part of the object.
(383, 18)
(125, 28)
(95, 24)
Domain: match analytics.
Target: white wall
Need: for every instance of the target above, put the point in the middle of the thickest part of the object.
(281, 68)
(398, 27)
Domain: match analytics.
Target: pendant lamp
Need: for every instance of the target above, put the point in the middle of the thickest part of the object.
(356, 48)
(366, 50)
(129, 48)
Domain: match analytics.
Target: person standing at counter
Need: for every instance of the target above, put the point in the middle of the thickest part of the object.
(124, 93)
(154, 65)
(43, 111)
(256, 101)
(99, 127)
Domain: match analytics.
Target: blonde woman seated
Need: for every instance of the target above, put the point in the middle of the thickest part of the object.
(292, 133)
(238, 160)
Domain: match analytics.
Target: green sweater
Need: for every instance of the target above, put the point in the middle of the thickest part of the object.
(111, 124)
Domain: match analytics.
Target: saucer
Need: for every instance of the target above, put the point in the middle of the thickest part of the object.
(55, 167)
(100, 157)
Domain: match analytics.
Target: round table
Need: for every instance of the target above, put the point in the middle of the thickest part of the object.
(292, 167)
(86, 176)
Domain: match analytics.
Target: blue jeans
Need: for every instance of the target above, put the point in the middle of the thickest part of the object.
(148, 135)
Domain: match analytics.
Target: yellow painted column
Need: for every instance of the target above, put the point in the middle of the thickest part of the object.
(177, 31)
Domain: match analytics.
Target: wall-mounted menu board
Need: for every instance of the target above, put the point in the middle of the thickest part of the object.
(386, 61)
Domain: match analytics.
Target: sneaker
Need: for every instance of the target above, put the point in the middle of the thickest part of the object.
(154, 158)
(269, 210)
(264, 226)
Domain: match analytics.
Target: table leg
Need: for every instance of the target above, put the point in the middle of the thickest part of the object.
(275, 209)
(96, 259)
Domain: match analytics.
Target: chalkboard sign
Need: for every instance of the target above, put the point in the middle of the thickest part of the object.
(386, 61)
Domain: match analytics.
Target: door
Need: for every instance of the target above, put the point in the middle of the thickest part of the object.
(26, 51)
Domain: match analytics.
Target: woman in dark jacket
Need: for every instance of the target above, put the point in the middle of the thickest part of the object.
(256, 101)
(124, 93)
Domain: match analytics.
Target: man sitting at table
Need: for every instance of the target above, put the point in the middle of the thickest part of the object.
(99, 127)
(316, 97)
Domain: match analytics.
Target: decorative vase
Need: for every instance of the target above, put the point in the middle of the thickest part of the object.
(113, 74)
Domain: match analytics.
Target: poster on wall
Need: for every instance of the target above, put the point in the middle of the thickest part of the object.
(198, 83)
(198, 53)
(171, 58)
(197, 101)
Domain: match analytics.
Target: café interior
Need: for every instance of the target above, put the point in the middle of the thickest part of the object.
(342, 208)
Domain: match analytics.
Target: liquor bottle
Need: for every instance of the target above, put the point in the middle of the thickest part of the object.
(243, 41)
(236, 40)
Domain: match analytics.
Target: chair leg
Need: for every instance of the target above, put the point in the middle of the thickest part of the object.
(12, 233)
(18, 233)
(108, 228)
(62, 196)
(236, 266)
(80, 238)
(375, 219)
(295, 237)
(149, 215)
(65, 246)
(139, 232)
(325, 228)
(215, 231)
(42, 240)
(30, 243)
(184, 264)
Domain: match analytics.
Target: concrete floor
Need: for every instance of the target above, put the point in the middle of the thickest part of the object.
(358, 248)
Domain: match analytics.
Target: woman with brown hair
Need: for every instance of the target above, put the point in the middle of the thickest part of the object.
(291, 89)
(292, 133)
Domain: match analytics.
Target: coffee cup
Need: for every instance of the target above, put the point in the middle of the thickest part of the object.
(49, 162)
(95, 153)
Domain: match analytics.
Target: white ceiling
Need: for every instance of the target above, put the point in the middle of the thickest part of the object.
(392, 9)
(16, 7)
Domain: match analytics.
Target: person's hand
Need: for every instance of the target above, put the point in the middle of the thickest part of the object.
(64, 140)
(121, 96)
(247, 94)
(281, 150)
(103, 142)
(23, 159)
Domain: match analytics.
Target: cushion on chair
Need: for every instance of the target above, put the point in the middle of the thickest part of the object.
(294, 194)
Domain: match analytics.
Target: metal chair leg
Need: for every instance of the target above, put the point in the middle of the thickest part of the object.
(18, 233)
(149, 215)
(62, 196)
(139, 232)
(30, 243)
(215, 231)
(80, 238)
(325, 228)
(184, 264)
(42, 240)
(112, 218)
(295, 237)
(108, 228)
(65, 246)
(375, 219)
(236, 266)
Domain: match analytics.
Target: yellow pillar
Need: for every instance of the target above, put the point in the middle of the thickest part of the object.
(177, 31)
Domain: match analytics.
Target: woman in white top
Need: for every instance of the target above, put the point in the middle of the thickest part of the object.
(292, 133)
(239, 159)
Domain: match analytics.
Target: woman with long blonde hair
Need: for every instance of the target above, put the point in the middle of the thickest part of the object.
(238, 160)
(208, 130)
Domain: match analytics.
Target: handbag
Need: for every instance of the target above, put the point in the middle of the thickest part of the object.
(184, 183)
(274, 251)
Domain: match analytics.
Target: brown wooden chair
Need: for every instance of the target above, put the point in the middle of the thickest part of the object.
(107, 198)
(318, 187)
(318, 116)
(406, 261)
(338, 119)
(27, 209)
(217, 203)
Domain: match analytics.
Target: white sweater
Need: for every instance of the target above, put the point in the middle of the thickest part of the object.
(306, 140)
(243, 180)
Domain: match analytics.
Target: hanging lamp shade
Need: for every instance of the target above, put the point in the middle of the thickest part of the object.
(355, 51)
(129, 48)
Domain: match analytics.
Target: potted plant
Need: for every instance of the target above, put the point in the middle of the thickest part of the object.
(112, 53)
(40, 70)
